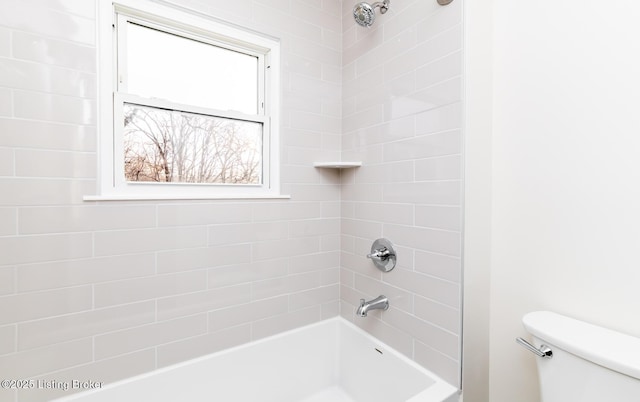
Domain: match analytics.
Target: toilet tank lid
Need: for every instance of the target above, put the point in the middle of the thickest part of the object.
(608, 348)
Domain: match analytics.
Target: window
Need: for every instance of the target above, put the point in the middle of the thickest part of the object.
(188, 105)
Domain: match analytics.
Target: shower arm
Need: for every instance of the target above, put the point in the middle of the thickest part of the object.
(383, 6)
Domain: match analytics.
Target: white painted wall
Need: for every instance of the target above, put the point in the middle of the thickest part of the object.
(566, 174)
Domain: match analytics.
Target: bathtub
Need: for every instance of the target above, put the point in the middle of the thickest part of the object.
(330, 361)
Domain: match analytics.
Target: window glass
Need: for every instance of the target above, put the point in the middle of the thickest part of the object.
(171, 146)
(167, 66)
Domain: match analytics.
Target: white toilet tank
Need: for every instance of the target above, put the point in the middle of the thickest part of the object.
(589, 363)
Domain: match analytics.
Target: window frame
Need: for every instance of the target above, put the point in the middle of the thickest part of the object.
(114, 15)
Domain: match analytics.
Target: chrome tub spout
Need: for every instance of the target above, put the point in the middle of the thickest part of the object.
(379, 303)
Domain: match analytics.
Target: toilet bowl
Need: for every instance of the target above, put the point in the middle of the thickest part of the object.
(588, 363)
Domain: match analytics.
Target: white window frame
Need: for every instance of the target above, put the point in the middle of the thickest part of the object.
(111, 181)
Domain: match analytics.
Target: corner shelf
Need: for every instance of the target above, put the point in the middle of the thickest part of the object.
(337, 165)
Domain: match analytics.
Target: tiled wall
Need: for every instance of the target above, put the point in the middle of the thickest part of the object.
(402, 116)
(102, 291)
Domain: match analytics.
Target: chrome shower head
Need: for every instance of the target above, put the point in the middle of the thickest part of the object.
(364, 13)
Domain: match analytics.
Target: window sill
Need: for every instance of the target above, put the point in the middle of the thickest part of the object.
(177, 197)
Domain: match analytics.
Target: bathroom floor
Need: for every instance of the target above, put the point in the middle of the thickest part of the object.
(332, 394)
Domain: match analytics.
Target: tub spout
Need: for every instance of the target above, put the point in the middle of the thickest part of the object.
(379, 303)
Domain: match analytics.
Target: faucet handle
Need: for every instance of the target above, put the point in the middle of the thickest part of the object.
(382, 254)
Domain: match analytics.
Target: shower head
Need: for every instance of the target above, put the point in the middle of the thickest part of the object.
(364, 13)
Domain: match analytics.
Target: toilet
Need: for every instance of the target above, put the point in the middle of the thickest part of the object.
(588, 363)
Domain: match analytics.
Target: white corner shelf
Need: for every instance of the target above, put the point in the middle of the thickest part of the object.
(337, 165)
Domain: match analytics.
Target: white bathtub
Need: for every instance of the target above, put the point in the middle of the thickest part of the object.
(331, 361)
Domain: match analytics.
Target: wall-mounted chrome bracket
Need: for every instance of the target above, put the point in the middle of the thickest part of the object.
(383, 255)
(542, 351)
(444, 2)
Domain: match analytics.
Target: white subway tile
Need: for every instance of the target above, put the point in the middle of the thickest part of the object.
(85, 218)
(199, 258)
(61, 53)
(52, 330)
(38, 163)
(281, 5)
(300, 65)
(27, 75)
(7, 280)
(330, 310)
(246, 313)
(7, 339)
(311, 14)
(315, 262)
(360, 264)
(198, 302)
(447, 18)
(44, 135)
(5, 42)
(59, 274)
(401, 214)
(288, 22)
(219, 235)
(273, 325)
(396, 172)
(321, 89)
(138, 338)
(202, 214)
(387, 50)
(8, 221)
(441, 340)
(284, 285)
(313, 297)
(242, 273)
(312, 121)
(145, 240)
(430, 192)
(285, 248)
(137, 289)
(28, 191)
(54, 108)
(366, 229)
(408, 16)
(445, 118)
(330, 276)
(6, 102)
(398, 298)
(304, 102)
(439, 217)
(315, 50)
(26, 249)
(442, 365)
(79, 7)
(7, 162)
(202, 345)
(50, 358)
(438, 314)
(24, 16)
(441, 266)
(313, 227)
(434, 240)
(433, 288)
(439, 70)
(31, 306)
(445, 43)
(440, 168)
